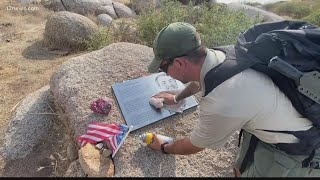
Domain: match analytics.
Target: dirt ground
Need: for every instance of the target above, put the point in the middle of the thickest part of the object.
(26, 66)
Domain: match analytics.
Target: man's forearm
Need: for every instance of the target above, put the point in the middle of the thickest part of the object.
(182, 147)
(190, 89)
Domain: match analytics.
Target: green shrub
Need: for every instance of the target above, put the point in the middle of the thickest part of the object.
(150, 22)
(270, 7)
(101, 38)
(293, 9)
(220, 26)
(122, 30)
(313, 18)
(217, 25)
(125, 30)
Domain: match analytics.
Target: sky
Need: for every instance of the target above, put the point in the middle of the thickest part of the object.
(259, 1)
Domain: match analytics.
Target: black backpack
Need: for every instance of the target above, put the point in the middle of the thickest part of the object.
(281, 50)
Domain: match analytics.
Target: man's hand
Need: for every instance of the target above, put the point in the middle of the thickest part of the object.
(155, 145)
(181, 146)
(192, 88)
(167, 96)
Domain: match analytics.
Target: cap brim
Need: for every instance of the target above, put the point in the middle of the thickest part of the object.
(154, 65)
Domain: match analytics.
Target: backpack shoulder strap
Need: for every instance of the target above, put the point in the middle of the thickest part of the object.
(232, 65)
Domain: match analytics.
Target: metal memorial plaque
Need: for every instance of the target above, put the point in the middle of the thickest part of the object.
(133, 99)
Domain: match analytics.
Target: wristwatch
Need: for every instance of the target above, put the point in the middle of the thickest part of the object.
(174, 99)
(162, 147)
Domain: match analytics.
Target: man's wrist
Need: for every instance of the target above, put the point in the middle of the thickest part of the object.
(162, 148)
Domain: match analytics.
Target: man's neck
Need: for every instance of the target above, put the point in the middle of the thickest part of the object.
(197, 70)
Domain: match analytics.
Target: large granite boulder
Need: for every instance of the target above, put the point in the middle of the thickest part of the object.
(104, 20)
(253, 11)
(85, 7)
(141, 5)
(68, 31)
(91, 7)
(106, 10)
(123, 11)
(29, 124)
(55, 5)
(84, 78)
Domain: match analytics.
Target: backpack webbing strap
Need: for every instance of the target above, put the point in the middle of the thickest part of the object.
(249, 157)
(240, 135)
(225, 70)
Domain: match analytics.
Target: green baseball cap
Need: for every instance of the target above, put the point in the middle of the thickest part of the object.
(172, 41)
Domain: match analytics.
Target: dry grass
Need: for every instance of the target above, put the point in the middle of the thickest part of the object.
(25, 65)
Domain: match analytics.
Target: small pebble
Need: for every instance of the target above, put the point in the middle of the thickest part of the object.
(106, 152)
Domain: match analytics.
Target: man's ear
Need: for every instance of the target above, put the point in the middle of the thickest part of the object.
(180, 62)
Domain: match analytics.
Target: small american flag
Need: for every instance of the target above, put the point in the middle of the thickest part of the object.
(114, 134)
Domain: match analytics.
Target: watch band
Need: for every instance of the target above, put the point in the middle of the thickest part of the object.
(174, 99)
(162, 148)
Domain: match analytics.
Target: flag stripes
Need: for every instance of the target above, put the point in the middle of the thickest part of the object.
(99, 131)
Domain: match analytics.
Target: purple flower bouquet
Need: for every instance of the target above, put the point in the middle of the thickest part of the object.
(101, 105)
